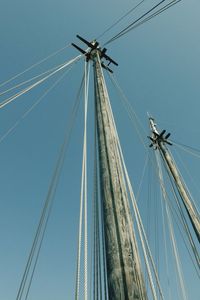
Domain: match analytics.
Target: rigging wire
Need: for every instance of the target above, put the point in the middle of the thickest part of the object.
(122, 32)
(187, 190)
(120, 19)
(182, 189)
(97, 194)
(99, 252)
(189, 204)
(105, 277)
(187, 248)
(12, 98)
(86, 95)
(104, 253)
(47, 207)
(141, 230)
(92, 248)
(33, 106)
(83, 197)
(194, 151)
(186, 229)
(99, 287)
(192, 179)
(156, 233)
(34, 65)
(164, 226)
(134, 23)
(119, 171)
(171, 231)
(142, 177)
(131, 112)
(31, 79)
(183, 219)
(85, 184)
(138, 219)
(85, 204)
(148, 218)
(167, 6)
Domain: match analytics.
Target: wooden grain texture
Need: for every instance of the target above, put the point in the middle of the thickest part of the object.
(123, 272)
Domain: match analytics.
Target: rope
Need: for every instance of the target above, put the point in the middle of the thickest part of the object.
(131, 112)
(134, 116)
(192, 179)
(87, 70)
(98, 246)
(128, 216)
(77, 290)
(188, 149)
(183, 219)
(30, 109)
(95, 269)
(174, 246)
(141, 231)
(31, 79)
(99, 212)
(119, 168)
(47, 207)
(12, 98)
(34, 65)
(188, 202)
(83, 198)
(142, 177)
(139, 223)
(104, 257)
(165, 244)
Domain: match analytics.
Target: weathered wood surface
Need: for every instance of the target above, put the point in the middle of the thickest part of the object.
(192, 213)
(123, 266)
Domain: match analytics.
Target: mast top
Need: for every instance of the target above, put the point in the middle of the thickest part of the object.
(94, 45)
(157, 137)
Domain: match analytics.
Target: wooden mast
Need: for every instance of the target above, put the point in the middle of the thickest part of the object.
(160, 142)
(123, 267)
(124, 276)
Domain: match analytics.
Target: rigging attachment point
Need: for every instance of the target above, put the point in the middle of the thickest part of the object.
(94, 45)
(157, 137)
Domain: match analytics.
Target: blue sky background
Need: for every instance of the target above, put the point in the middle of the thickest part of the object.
(159, 71)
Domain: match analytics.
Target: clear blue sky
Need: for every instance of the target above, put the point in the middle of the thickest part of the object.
(159, 71)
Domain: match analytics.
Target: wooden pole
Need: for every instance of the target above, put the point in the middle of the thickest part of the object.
(122, 259)
(191, 211)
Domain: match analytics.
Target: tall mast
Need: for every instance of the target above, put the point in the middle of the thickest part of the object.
(159, 142)
(124, 277)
